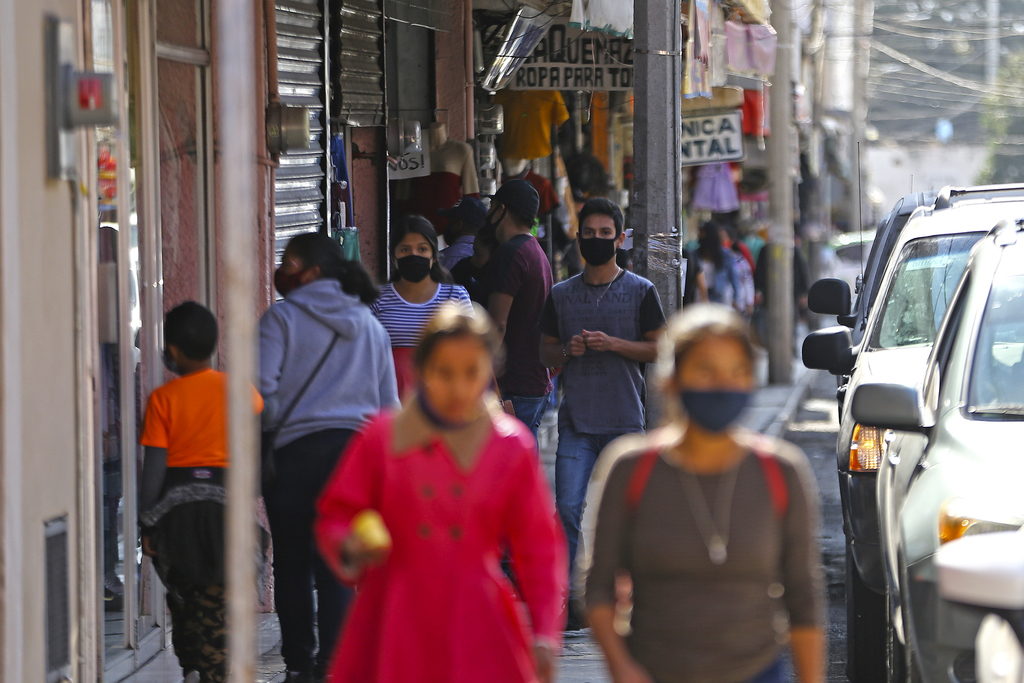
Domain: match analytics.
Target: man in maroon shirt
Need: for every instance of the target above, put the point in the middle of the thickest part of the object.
(522, 282)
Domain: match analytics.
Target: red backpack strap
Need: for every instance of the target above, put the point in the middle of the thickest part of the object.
(638, 480)
(776, 481)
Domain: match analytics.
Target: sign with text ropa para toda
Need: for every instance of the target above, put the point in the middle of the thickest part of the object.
(571, 59)
(711, 138)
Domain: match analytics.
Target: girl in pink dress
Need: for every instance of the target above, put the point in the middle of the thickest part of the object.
(455, 481)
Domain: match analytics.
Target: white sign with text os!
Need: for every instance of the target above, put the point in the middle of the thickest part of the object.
(712, 138)
(411, 165)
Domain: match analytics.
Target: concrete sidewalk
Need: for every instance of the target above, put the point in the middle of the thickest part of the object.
(771, 408)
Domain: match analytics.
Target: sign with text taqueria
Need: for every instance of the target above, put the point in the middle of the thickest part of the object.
(571, 59)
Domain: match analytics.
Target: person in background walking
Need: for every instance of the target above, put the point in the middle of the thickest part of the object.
(762, 274)
(181, 497)
(522, 282)
(472, 273)
(716, 527)
(695, 288)
(419, 285)
(453, 482)
(719, 267)
(464, 219)
(601, 326)
(325, 365)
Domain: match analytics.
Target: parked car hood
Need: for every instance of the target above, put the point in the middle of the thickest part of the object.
(896, 366)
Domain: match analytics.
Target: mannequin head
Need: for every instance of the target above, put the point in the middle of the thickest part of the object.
(438, 133)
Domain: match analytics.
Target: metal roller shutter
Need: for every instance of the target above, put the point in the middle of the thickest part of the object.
(300, 187)
(357, 62)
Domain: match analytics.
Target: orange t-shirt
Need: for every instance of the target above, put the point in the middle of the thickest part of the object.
(188, 417)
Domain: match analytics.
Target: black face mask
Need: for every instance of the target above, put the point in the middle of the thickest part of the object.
(491, 225)
(414, 268)
(597, 251)
(169, 362)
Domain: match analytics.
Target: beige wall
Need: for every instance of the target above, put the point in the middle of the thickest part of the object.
(38, 414)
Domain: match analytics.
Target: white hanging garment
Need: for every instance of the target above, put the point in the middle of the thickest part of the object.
(608, 16)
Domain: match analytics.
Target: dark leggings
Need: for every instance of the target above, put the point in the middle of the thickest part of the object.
(303, 468)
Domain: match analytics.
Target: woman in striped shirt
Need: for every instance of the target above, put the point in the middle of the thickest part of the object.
(419, 285)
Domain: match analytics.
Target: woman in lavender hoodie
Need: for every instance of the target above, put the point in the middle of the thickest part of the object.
(325, 316)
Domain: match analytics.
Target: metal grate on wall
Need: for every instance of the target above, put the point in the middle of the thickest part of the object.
(357, 62)
(300, 187)
(432, 14)
(58, 601)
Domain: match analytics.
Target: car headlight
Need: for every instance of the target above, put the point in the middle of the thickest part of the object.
(959, 517)
(868, 447)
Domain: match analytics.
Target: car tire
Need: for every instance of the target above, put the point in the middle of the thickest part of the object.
(866, 621)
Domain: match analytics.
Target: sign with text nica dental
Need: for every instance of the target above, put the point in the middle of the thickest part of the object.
(712, 138)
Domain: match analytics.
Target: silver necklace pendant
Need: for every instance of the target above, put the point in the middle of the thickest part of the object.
(717, 552)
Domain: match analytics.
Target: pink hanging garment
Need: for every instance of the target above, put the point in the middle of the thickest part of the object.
(737, 47)
(763, 40)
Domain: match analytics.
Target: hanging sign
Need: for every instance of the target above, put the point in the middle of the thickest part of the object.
(572, 59)
(411, 165)
(712, 138)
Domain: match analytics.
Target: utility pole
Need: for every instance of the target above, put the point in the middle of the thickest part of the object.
(863, 20)
(780, 202)
(992, 44)
(657, 203)
(236, 50)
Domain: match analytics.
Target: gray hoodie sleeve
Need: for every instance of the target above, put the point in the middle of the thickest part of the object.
(272, 352)
(389, 397)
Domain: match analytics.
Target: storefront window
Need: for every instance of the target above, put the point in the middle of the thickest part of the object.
(125, 576)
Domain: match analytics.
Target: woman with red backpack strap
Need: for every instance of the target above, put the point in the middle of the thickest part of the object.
(716, 527)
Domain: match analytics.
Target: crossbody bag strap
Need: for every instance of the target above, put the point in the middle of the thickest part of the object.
(316, 371)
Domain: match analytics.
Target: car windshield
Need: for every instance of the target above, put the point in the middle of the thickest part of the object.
(926, 278)
(997, 374)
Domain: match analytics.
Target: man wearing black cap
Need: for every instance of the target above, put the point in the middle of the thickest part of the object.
(522, 282)
(464, 219)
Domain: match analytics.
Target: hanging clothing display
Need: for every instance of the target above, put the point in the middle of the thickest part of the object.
(755, 113)
(751, 48)
(452, 177)
(529, 115)
(717, 68)
(608, 16)
(698, 52)
(715, 190)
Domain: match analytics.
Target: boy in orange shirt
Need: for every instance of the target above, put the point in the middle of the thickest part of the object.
(181, 500)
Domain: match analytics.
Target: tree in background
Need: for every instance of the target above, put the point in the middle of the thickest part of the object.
(1003, 118)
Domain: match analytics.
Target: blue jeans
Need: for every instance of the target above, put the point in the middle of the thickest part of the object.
(529, 409)
(778, 672)
(574, 460)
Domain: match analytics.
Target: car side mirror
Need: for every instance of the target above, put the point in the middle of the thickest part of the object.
(829, 349)
(830, 296)
(889, 406)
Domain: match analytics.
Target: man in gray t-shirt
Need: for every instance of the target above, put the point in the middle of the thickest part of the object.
(600, 326)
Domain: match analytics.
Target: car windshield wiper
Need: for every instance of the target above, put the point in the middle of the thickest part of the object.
(1008, 410)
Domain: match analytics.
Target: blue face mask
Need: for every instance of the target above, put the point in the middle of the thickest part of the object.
(714, 411)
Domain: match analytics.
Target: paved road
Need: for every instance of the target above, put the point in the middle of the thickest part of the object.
(814, 428)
